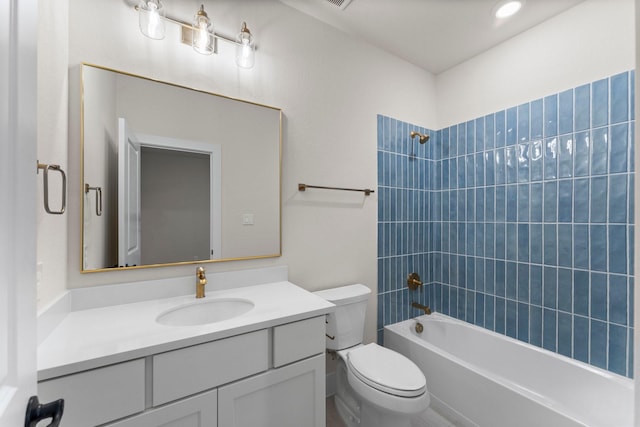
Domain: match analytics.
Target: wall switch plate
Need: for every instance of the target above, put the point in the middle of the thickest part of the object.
(247, 219)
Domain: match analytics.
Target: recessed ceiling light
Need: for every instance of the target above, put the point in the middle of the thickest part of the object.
(506, 9)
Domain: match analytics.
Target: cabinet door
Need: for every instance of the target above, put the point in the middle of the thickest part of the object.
(291, 396)
(197, 411)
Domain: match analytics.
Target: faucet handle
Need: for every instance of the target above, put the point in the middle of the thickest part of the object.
(413, 281)
(200, 272)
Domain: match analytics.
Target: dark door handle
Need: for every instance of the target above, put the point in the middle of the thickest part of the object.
(37, 412)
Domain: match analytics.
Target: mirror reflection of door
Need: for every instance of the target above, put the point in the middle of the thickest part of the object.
(128, 196)
(173, 197)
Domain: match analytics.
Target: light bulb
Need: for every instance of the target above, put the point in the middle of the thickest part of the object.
(245, 50)
(151, 18)
(202, 33)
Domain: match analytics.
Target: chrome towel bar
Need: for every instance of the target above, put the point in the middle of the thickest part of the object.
(45, 176)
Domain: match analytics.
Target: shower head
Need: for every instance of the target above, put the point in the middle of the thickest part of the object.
(423, 138)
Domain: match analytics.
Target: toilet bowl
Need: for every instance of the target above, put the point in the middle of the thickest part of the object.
(382, 388)
(375, 386)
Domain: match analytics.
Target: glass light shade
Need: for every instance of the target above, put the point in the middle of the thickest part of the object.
(245, 49)
(151, 15)
(202, 33)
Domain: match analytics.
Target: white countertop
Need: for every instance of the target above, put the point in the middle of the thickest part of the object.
(87, 339)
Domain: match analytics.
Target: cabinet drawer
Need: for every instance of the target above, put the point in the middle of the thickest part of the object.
(190, 370)
(297, 340)
(197, 411)
(97, 396)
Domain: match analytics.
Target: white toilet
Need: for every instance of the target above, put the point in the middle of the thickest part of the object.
(375, 386)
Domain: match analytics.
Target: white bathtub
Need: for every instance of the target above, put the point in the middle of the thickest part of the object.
(482, 378)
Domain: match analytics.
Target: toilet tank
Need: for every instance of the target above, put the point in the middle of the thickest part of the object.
(346, 323)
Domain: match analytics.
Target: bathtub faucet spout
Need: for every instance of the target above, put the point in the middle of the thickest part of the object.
(424, 308)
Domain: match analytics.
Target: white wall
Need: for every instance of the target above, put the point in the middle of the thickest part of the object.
(588, 42)
(330, 89)
(52, 145)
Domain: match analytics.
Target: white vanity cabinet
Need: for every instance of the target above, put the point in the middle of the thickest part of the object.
(273, 377)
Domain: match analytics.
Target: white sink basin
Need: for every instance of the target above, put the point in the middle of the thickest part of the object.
(204, 312)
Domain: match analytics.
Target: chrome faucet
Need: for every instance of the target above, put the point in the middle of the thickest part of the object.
(201, 281)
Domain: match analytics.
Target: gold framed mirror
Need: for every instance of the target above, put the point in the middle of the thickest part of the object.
(173, 175)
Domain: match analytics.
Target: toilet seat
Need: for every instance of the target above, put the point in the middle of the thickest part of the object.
(386, 371)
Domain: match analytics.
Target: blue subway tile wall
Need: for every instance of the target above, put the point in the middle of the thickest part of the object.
(520, 221)
(408, 176)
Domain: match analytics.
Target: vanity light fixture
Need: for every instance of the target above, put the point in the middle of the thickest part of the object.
(200, 34)
(508, 8)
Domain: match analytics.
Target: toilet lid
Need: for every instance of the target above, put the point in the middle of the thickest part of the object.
(387, 370)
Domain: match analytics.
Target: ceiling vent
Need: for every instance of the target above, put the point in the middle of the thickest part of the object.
(342, 4)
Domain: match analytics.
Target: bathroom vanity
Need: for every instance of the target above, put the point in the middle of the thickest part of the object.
(117, 365)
